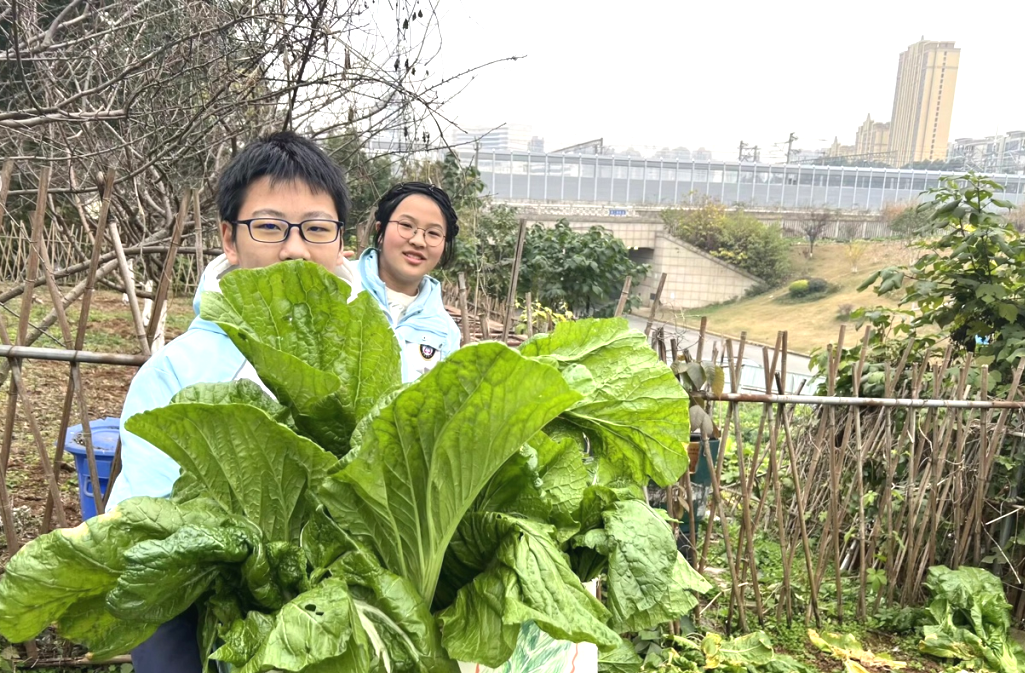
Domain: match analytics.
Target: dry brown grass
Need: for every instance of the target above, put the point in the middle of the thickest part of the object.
(810, 324)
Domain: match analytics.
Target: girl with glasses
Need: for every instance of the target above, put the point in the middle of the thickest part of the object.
(416, 227)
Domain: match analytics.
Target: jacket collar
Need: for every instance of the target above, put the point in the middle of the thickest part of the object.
(370, 277)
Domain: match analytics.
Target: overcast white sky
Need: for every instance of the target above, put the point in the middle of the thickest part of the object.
(654, 73)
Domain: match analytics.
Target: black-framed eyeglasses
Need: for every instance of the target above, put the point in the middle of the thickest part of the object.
(273, 230)
(432, 237)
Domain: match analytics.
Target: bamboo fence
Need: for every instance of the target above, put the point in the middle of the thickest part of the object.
(852, 489)
(863, 494)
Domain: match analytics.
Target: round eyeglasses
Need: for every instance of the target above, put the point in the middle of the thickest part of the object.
(271, 230)
(432, 237)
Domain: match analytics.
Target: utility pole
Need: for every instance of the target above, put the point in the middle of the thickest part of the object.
(790, 145)
(750, 155)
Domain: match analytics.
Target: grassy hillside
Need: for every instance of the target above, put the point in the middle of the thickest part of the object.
(813, 323)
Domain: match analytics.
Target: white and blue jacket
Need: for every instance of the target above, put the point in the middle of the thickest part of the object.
(426, 332)
(203, 354)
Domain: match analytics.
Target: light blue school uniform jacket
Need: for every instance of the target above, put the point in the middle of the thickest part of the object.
(426, 332)
(203, 354)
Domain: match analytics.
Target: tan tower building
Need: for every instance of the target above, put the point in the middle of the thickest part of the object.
(923, 102)
(872, 141)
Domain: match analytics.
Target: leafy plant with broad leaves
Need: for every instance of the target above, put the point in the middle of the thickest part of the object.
(856, 659)
(750, 653)
(328, 518)
(700, 378)
(968, 285)
(969, 619)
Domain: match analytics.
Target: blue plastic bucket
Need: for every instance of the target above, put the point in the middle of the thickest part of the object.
(105, 434)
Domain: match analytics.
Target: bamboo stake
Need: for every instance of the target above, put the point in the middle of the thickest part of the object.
(39, 218)
(624, 296)
(715, 470)
(982, 480)
(115, 471)
(464, 314)
(165, 277)
(485, 330)
(786, 591)
(736, 581)
(701, 337)
(517, 260)
(530, 315)
(747, 533)
(862, 533)
(692, 531)
(65, 355)
(787, 546)
(74, 383)
(799, 493)
(655, 304)
(31, 271)
(736, 595)
(908, 519)
(936, 468)
(198, 224)
(6, 509)
(835, 467)
(129, 281)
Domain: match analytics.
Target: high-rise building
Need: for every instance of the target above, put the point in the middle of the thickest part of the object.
(505, 138)
(536, 145)
(838, 151)
(923, 102)
(872, 141)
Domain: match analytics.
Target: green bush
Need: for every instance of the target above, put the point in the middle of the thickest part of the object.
(734, 237)
(799, 288)
(817, 285)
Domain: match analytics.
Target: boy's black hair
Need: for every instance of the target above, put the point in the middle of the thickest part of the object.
(394, 196)
(283, 157)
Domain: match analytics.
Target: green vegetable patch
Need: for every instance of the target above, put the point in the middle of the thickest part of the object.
(329, 518)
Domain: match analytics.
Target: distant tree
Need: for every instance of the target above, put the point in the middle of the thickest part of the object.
(952, 164)
(1016, 216)
(849, 161)
(368, 179)
(855, 251)
(758, 248)
(909, 223)
(701, 226)
(815, 226)
(734, 237)
(582, 271)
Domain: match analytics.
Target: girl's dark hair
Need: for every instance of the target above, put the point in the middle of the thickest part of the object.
(394, 196)
(283, 157)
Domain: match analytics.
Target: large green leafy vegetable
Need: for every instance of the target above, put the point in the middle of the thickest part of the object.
(344, 522)
(968, 618)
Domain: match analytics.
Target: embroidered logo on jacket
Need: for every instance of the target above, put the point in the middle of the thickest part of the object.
(427, 352)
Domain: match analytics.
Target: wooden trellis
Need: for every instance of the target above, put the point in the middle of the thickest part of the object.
(802, 482)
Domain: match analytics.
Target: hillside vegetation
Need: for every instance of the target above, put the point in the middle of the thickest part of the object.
(811, 323)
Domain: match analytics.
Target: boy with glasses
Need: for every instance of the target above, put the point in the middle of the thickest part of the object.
(280, 198)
